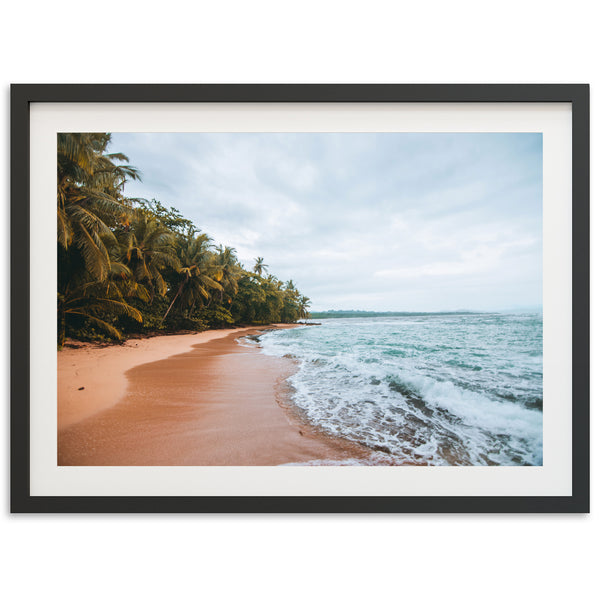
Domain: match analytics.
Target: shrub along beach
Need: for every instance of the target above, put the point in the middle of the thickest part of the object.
(133, 268)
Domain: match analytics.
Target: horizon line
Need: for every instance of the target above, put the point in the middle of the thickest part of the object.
(536, 308)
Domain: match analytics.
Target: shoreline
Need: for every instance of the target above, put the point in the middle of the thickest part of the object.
(190, 399)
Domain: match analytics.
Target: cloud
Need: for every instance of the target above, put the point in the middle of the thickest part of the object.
(478, 259)
(366, 221)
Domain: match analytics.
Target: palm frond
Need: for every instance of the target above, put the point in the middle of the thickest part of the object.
(95, 256)
(99, 322)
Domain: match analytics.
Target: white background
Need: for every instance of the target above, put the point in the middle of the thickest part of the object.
(463, 556)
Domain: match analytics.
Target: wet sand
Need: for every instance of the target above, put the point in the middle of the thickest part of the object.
(199, 399)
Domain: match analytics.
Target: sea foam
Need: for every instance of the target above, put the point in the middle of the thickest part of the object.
(452, 390)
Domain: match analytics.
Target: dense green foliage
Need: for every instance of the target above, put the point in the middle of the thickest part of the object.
(135, 266)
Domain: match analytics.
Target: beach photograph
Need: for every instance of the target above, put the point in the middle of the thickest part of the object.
(299, 299)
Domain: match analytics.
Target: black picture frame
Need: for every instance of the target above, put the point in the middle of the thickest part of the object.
(22, 95)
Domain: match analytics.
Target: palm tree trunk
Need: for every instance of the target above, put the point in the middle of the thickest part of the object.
(171, 305)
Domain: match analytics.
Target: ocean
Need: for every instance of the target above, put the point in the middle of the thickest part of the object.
(426, 390)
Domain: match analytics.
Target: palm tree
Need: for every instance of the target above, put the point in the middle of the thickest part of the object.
(147, 248)
(259, 266)
(270, 310)
(304, 305)
(89, 197)
(197, 274)
(247, 303)
(229, 270)
(90, 203)
(96, 304)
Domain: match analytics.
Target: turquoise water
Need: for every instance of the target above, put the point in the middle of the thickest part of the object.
(435, 389)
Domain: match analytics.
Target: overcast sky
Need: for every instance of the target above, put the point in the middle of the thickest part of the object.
(386, 221)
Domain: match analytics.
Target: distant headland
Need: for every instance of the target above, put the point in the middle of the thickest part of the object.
(350, 314)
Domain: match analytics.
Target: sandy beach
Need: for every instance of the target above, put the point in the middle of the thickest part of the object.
(195, 399)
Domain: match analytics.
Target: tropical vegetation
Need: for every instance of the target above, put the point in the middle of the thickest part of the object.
(134, 266)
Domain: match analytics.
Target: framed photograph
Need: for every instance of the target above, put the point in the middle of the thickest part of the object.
(300, 298)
